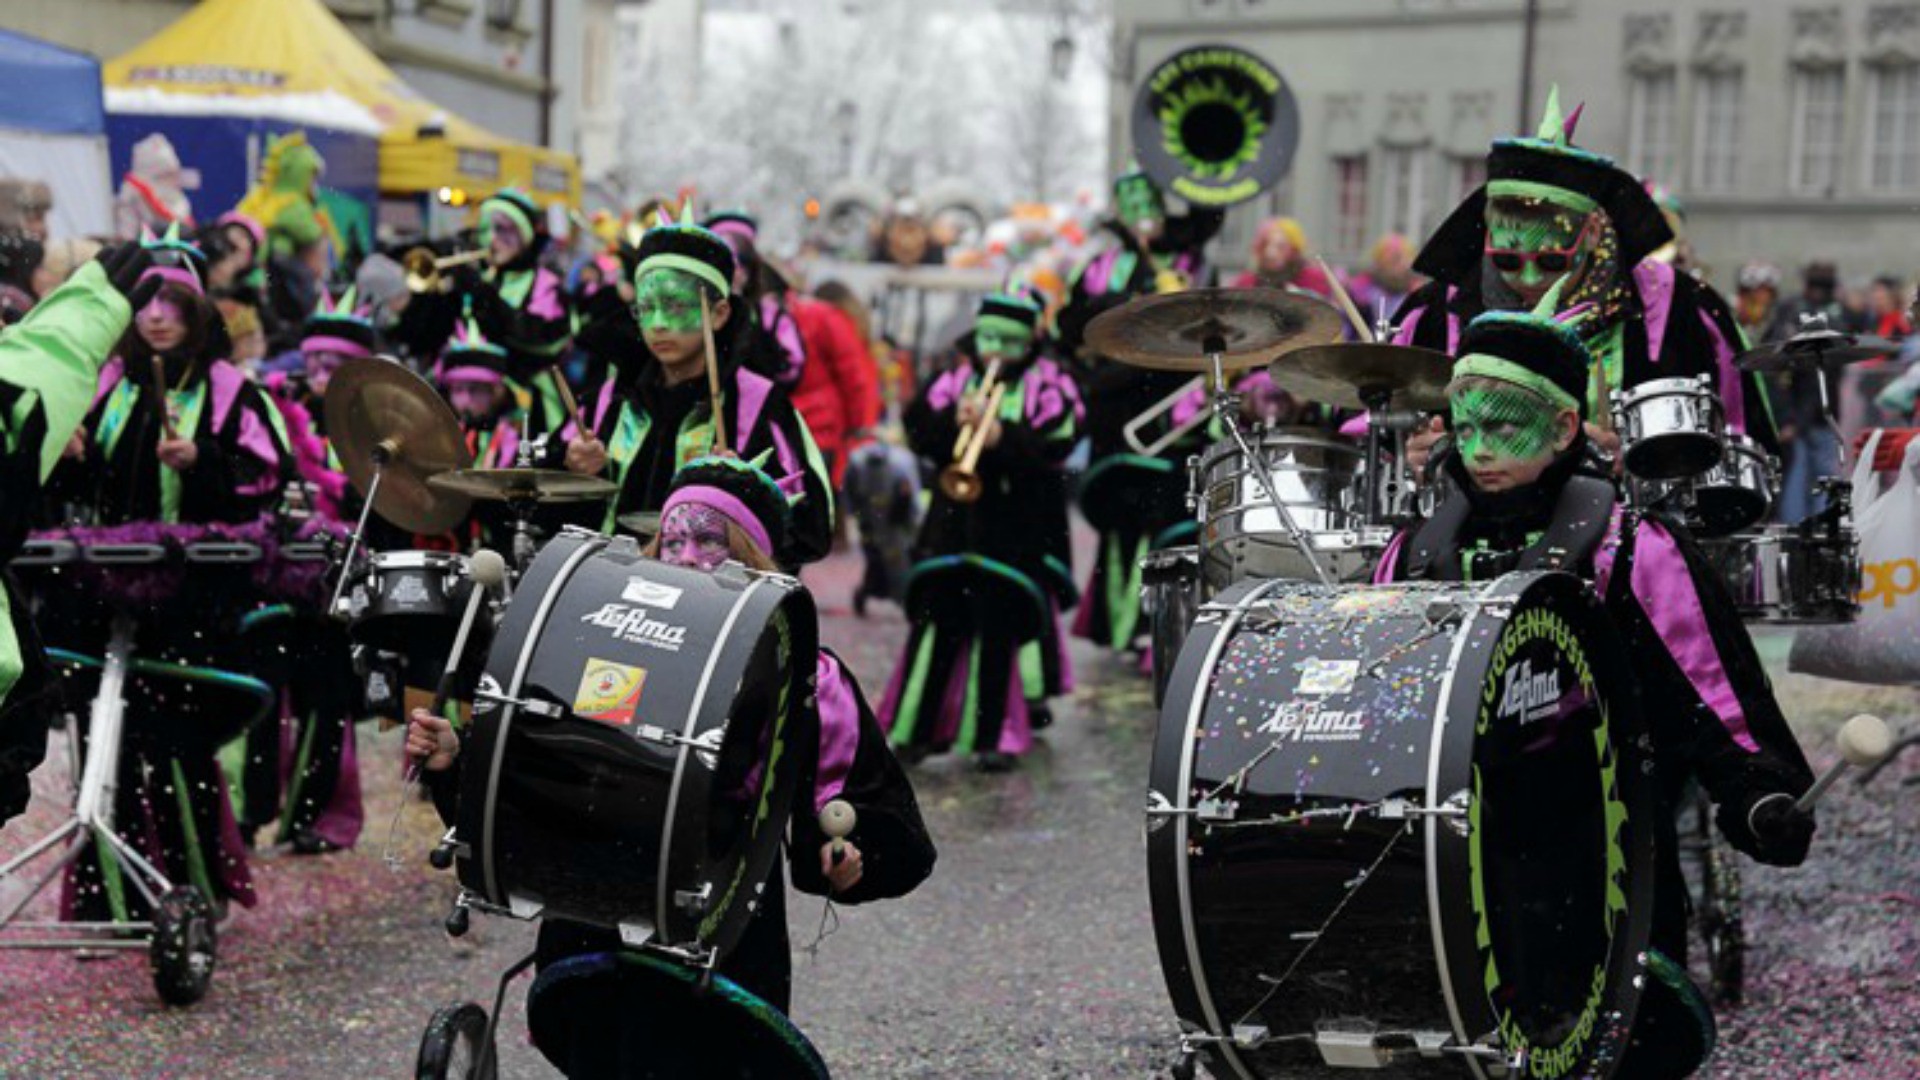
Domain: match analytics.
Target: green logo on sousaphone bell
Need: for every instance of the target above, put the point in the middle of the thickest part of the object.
(1215, 125)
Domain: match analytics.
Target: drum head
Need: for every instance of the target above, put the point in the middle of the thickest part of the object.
(641, 775)
(657, 1020)
(1673, 456)
(1287, 897)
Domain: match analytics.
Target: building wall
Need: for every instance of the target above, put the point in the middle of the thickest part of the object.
(1439, 79)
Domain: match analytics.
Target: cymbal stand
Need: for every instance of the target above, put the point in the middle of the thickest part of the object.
(1226, 408)
(382, 457)
(1388, 505)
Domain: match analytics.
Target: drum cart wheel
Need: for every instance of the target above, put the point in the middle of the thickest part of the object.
(183, 947)
(455, 1045)
(1714, 923)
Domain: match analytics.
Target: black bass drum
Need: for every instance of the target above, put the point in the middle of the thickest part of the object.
(638, 739)
(1404, 828)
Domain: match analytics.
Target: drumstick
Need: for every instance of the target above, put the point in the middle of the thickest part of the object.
(837, 820)
(1603, 397)
(488, 570)
(713, 374)
(569, 402)
(1864, 742)
(160, 395)
(1347, 305)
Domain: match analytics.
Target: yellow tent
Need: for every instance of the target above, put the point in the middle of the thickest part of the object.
(296, 50)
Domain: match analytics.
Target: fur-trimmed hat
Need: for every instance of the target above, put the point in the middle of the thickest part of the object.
(688, 248)
(742, 491)
(470, 357)
(176, 259)
(339, 326)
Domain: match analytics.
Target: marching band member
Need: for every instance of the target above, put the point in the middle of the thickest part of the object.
(473, 374)
(587, 1018)
(1551, 210)
(656, 412)
(777, 350)
(1524, 499)
(1136, 503)
(49, 369)
(975, 673)
(200, 447)
(304, 769)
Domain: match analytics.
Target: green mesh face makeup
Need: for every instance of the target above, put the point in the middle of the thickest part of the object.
(1534, 242)
(667, 300)
(1499, 427)
(1001, 337)
(1136, 200)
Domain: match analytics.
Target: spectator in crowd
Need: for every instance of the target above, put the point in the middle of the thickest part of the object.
(61, 259)
(1806, 434)
(1886, 311)
(1756, 303)
(1281, 261)
(24, 206)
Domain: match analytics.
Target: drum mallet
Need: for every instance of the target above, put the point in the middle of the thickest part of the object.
(837, 820)
(1865, 741)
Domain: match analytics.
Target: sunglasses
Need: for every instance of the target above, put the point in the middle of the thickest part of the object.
(1549, 260)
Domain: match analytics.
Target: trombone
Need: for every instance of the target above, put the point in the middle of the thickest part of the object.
(960, 481)
(426, 272)
(1159, 409)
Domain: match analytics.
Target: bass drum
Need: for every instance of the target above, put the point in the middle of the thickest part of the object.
(638, 739)
(1405, 828)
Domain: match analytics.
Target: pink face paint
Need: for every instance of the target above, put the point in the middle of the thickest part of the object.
(320, 368)
(472, 400)
(694, 536)
(161, 311)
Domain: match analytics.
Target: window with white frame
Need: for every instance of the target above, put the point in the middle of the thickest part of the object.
(1819, 129)
(1403, 187)
(1716, 134)
(1350, 202)
(1650, 124)
(1893, 143)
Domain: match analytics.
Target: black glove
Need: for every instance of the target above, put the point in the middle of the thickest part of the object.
(1781, 834)
(125, 265)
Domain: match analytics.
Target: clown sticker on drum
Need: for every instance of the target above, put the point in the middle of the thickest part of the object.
(609, 692)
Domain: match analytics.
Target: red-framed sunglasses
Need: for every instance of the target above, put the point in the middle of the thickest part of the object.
(1549, 260)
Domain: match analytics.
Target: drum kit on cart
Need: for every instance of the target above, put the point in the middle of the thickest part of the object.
(1407, 828)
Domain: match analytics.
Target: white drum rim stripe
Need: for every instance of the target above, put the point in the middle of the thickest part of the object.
(1188, 932)
(541, 614)
(661, 910)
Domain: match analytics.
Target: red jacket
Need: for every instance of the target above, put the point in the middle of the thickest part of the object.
(839, 389)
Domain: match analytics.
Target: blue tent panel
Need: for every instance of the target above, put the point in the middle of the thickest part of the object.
(47, 88)
(218, 147)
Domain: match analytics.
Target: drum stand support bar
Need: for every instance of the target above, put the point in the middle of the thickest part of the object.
(380, 457)
(1224, 406)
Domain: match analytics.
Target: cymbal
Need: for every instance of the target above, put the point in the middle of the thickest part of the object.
(380, 415)
(1173, 331)
(1347, 374)
(1814, 348)
(528, 485)
(645, 522)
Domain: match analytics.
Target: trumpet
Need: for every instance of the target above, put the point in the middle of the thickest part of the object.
(426, 272)
(1158, 409)
(960, 481)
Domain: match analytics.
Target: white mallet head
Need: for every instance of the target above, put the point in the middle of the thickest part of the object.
(1865, 741)
(837, 819)
(487, 568)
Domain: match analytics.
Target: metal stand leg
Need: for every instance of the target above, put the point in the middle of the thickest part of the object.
(359, 530)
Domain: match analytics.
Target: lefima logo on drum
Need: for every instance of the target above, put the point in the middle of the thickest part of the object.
(1527, 695)
(1889, 581)
(637, 625)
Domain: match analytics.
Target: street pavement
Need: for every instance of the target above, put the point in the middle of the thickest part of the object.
(1029, 953)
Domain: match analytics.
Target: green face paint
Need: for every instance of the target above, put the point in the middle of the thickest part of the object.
(1004, 338)
(1137, 200)
(669, 301)
(1505, 435)
(1535, 242)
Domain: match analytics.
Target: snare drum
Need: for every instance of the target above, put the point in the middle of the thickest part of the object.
(1736, 493)
(638, 740)
(1320, 481)
(1405, 827)
(1170, 596)
(409, 601)
(1784, 576)
(1670, 427)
